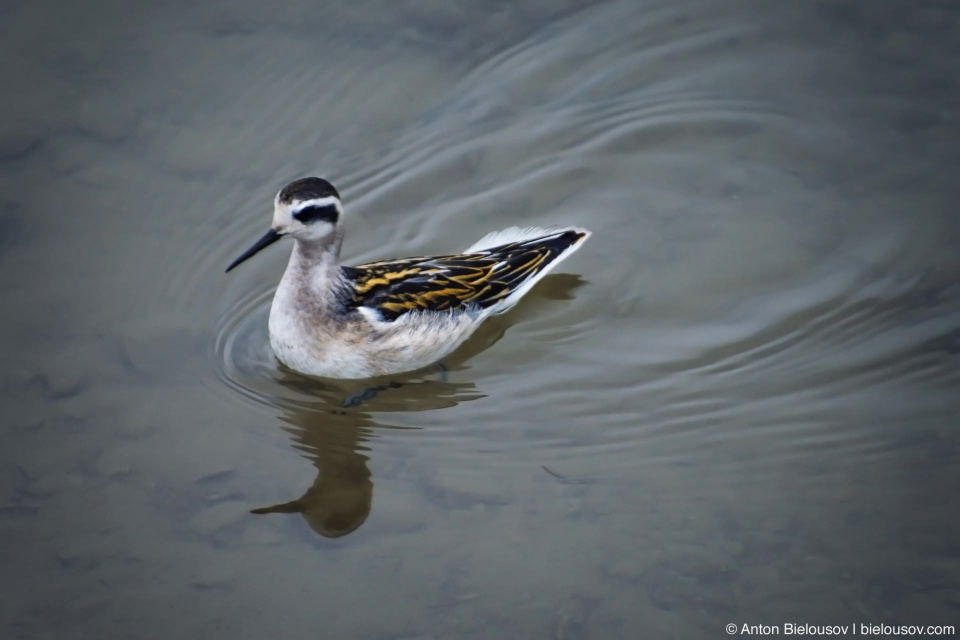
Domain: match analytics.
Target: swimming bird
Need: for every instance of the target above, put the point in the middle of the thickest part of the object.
(336, 321)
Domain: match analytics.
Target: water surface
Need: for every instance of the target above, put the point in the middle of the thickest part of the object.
(737, 403)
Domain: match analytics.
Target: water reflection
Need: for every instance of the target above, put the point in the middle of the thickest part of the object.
(331, 430)
(331, 421)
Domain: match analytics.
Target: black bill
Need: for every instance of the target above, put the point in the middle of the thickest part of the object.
(268, 239)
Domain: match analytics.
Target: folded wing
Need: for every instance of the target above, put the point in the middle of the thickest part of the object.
(473, 281)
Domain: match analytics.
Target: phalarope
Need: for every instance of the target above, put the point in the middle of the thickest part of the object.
(391, 316)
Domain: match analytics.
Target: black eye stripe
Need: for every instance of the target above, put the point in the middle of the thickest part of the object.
(327, 213)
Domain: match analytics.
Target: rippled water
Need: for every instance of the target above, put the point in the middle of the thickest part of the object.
(737, 403)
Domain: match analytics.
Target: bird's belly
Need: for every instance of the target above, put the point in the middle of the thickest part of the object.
(358, 350)
(318, 349)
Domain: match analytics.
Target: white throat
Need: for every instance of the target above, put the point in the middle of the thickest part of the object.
(305, 298)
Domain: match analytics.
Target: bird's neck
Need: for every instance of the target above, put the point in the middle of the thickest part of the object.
(312, 276)
(315, 259)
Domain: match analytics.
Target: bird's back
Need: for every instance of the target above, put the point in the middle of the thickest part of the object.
(488, 278)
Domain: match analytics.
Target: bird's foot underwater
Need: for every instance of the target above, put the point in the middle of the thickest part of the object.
(358, 398)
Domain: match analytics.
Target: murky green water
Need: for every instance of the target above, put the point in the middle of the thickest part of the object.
(737, 404)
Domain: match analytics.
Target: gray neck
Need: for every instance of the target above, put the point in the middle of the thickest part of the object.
(314, 252)
(312, 275)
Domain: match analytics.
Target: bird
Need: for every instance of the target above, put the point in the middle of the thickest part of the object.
(331, 320)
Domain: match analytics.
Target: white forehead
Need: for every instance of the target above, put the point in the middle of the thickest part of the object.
(299, 205)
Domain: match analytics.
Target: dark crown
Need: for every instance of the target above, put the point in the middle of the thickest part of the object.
(306, 189)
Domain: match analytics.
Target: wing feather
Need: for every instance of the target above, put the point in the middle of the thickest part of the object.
(456, 282)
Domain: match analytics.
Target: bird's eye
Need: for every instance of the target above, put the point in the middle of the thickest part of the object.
(326, 212)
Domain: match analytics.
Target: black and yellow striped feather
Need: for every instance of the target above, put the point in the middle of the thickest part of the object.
(474, 280)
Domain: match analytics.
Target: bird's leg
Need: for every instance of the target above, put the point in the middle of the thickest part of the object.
(356, 399)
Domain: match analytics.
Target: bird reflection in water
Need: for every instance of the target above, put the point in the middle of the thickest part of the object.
(332, 436)
(329, 421)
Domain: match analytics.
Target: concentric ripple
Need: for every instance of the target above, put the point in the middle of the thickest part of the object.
(245, 361)
(727, 307)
